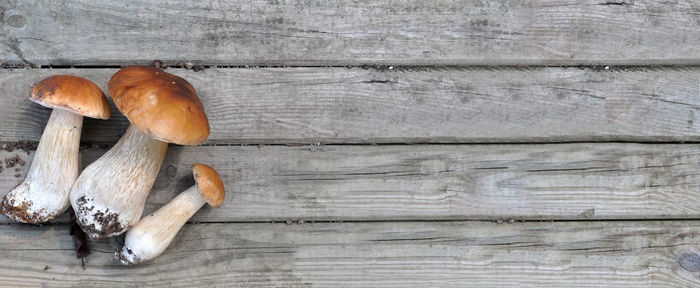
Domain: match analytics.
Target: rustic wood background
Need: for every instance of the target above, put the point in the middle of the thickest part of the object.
(388, 143)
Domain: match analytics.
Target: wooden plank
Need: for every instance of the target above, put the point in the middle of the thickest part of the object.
(316, 32)
(418, 182)
(416, 254)
(407, 105)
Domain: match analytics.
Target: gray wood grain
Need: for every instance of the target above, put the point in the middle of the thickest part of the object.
(408, 105)
(317, 32)
(415, 254)
(429, 182)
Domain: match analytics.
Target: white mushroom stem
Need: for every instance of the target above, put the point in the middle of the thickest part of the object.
(43, 195)
(153, 233)
(110, 194)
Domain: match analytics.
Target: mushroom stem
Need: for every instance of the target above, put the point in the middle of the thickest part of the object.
(43, 195)
(110, 194)
(153, 233)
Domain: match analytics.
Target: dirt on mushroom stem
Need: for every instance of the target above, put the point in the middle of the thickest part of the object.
(109, 221)
(127, 256)
(18, 211)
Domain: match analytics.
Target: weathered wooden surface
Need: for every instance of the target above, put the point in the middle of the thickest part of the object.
(445, 110)
(317, 32)
(429, 182)
(415, 254)
(411, 105)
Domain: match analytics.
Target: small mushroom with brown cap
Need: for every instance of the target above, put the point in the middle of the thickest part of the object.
(43, 195)
(153, 233)
(110, 194)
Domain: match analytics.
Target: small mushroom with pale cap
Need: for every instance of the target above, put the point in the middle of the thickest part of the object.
(153, 233)
(110, 194)
(43, 195)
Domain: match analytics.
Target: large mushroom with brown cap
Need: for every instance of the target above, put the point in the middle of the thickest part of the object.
(110, 194)
(153, 233)
(43, 195)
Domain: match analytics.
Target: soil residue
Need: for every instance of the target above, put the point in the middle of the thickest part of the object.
(19, 211)
(108, 221)
(27, 146)
(14, 161)
(126, 256)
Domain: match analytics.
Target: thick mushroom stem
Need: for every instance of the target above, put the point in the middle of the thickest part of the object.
(43, 195)
(153, 233)
(110, 194)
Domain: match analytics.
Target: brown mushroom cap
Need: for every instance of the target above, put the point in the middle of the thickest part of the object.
(159, 104)
(209, 184)
(71, 93)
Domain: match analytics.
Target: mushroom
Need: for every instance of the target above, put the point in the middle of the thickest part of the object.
(153, 233)
(110, 194)
(43, 195)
